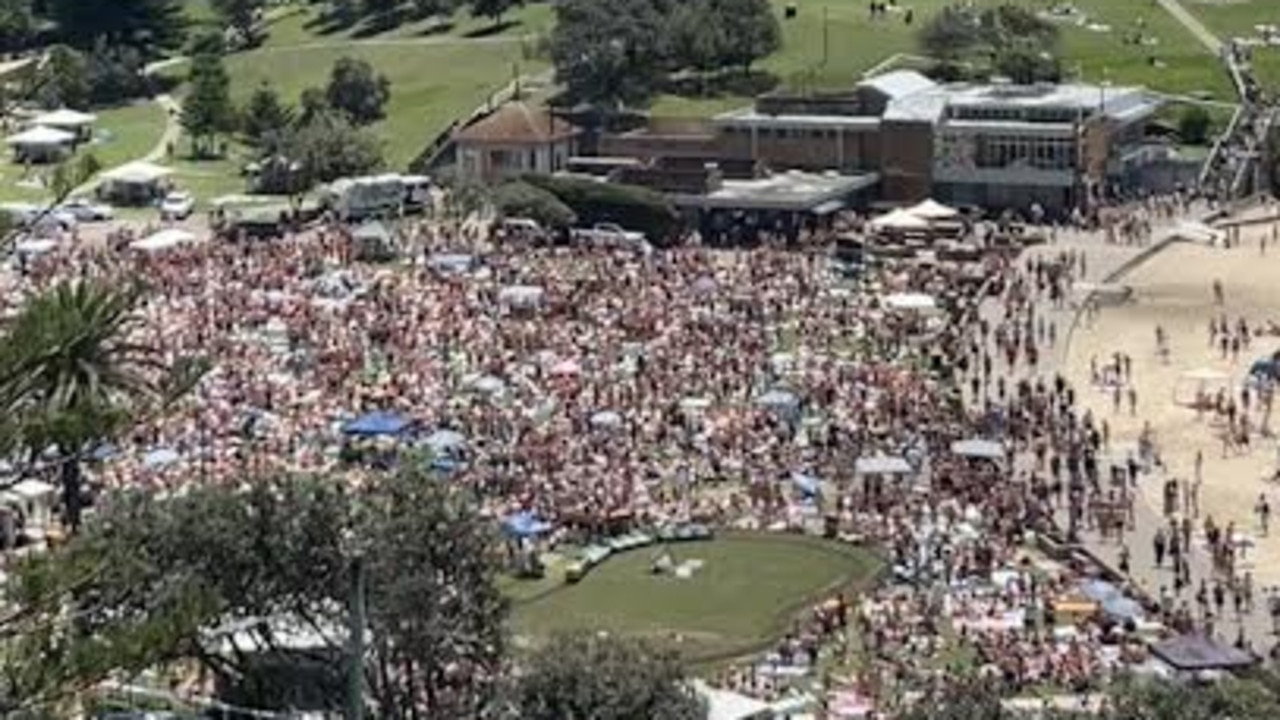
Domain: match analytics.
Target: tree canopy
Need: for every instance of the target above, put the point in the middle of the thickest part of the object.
(207, 110)
(149, 25)
(211, 573)
(1006, 39)
(358, 91)
(587, 675)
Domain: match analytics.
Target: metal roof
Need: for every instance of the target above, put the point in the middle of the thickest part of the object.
(898, 83)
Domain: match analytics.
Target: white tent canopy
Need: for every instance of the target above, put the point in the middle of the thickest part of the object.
(918, 302)
(933, 210)
(899, 220)
(164, 240)
(65, 118)
(137, 173)
(729, 705)
(41, 136)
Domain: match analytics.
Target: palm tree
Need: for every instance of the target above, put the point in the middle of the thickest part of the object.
(72, 376)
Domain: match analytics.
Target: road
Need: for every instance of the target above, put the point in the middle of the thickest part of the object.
(1193, 25)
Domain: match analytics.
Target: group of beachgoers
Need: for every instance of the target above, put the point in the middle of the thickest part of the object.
(599, 387)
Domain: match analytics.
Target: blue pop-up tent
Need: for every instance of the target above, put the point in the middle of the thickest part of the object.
(525, 524)
(376, 424)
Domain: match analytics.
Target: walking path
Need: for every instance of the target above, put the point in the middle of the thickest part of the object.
(1103, 261)
(1193, 25)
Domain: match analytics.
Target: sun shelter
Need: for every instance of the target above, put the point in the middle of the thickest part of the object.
(78, 123)
(932, 210)
(605, 419)
(135, 183)
(166, 239)
(41, 144)
(729, 705)
(979, 449)
(899, 221)
(1196, 653)
(525, 525)
(881, 465)
(377, 424)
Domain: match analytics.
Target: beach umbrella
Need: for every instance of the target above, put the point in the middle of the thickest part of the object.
(705, 285)
(375, 424)
(160, 457)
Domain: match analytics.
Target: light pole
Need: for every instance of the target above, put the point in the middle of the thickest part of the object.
(355, 647)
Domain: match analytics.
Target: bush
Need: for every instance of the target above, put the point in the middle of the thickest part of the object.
(520, 199)
(1193, 126)
(634, 208)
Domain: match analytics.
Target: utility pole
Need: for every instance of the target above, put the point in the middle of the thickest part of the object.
(825, 36)
(355, 659)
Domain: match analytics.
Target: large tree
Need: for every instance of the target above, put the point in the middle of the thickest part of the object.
(265, 112)
(17, 25)
(63, 79)
(748, 30)
(186, 576)
(150, 25)
(73, 375)
(357, 90)
(610, 53)
(207, 110)
(324, 147)
(587, 675)
(493, 9)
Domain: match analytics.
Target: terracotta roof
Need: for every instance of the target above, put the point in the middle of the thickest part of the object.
(516, 122)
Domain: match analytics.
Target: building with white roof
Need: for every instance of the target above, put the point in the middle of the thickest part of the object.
(994, 145)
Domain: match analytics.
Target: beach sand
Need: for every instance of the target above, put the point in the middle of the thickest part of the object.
(1174, 290)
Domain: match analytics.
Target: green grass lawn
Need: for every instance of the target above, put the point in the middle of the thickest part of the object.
(856, 44)
(431, 85)
(747, 593)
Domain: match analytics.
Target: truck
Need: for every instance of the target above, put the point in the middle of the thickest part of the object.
(377, 196)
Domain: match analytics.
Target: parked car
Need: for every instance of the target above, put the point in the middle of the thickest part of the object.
(39, 220)
(85, 210)
(177, 205)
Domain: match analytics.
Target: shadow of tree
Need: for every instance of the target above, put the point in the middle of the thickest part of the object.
(491, 29)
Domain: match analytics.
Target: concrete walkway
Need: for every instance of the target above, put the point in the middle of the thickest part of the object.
(1193, 25)
(1103, 261)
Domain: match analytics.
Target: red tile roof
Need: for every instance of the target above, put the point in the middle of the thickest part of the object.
(516, 122)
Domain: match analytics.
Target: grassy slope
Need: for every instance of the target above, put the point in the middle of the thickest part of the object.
(746, 593)
(431, 85)
(1237, 18)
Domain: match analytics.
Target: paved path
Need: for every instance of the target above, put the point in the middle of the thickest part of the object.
(1193, 25)
(1102, 260)
(172, 129)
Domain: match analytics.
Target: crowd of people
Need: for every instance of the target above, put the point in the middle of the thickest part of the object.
(589, 386)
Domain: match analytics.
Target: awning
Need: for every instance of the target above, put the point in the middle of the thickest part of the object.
(978, 448)
(65, 118)
(41, 136)
(881, 465)
(933, 210)
(137, 173)
(899, 220)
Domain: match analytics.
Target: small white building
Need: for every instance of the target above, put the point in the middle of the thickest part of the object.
(513, 140)
(41, 144)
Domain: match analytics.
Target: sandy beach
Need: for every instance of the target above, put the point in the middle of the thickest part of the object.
(1174, 290)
